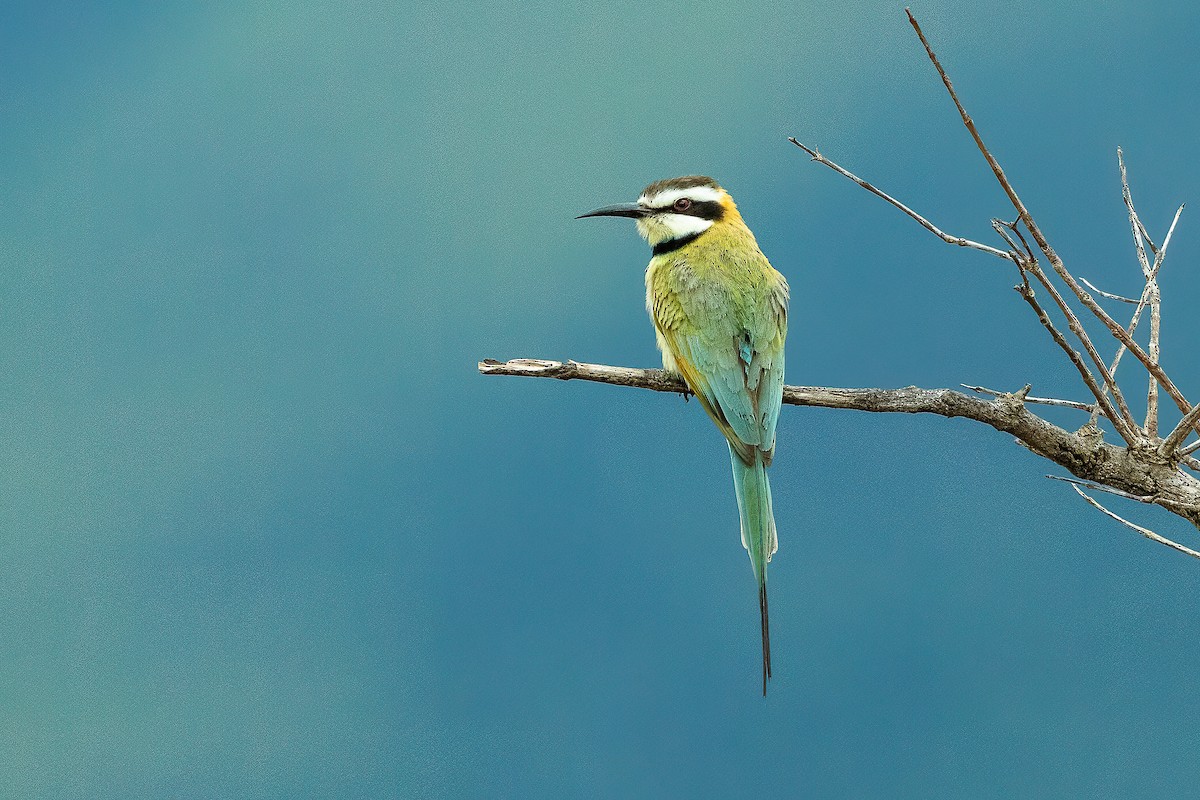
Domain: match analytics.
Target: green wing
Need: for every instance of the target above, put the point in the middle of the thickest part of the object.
(728, 346)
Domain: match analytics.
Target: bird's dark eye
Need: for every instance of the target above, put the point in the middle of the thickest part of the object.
(682, 204)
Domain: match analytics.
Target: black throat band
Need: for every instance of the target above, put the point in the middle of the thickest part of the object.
(671, 245)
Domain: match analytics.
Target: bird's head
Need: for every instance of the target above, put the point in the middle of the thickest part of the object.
(675, 210)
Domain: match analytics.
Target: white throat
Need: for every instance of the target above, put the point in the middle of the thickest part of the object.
(665, 227)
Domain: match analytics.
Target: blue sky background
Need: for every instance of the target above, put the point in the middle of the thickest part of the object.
(265, 532)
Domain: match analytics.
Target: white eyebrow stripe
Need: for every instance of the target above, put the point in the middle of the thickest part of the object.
(700, 194)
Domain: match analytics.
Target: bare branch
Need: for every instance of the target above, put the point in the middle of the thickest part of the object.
(1148, 499)
(1055, 262)
(1125, 424)
(1135, 222)
(1180, 432)
(1040, 401)
(1155, 352)
(1109, 295)
(1154, 296)
(1161, 254)
(1146, 235)
(1137, 314)
(1151, 290)
(1149, 534)
(926, 224)
(1121, 423)
(1144, 498)
(992, 162)
(1006, 412)
(1003, 228)
(1123, 336)
(1082, 453)
(1012, 226)
(1133, 324)
(1151, 426)
(656, 380)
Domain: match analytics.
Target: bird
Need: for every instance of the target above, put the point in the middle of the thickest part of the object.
(720, 319)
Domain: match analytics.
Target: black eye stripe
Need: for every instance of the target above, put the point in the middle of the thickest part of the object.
(705, 209)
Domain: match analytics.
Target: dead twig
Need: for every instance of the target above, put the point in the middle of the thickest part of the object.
(1148, 499)
(1120, 423)
(1155, 352)
(1149, 534)
(1124, 424)
(926, 224)
(1180, 432)
(1109, 295)
(1142, 302)
(1151, 294)
(1040, 401)
(1135, 222)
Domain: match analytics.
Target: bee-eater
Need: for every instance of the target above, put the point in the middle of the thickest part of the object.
(720, 318)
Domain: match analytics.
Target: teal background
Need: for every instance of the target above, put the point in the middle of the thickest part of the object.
(265, 532)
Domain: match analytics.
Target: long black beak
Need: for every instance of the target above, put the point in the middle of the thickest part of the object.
(619, 210)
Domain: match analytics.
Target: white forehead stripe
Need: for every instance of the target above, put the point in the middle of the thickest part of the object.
(700, 194)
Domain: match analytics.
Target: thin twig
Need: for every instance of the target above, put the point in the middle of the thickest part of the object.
(1041, 401)
(926, 224)
(1151, 293)
(1133, 323)
(1154, 296)
(1001, 228)
(1180, 432)
(1148, 499)
(1126, 426)
(1122, 423)
(1155, 352)
(1160, 255)
(1128, 197)
(1146, 236)
(1135, 222)
(1142, 498)
(1109, 295)
(1149, 534)
(1028, 250)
